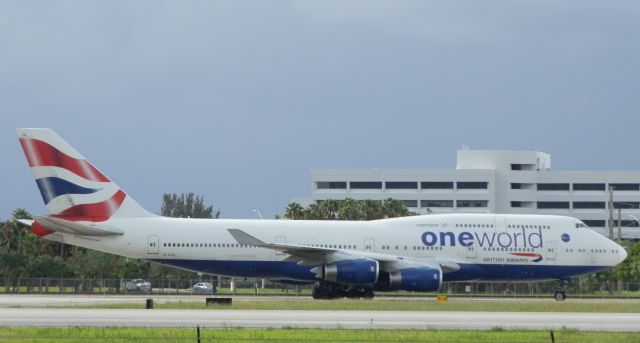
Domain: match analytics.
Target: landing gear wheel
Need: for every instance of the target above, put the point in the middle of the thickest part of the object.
(560, 295)
(337, 293)
(323, 293)
(320, 292)
(353, 293)
(367, 294)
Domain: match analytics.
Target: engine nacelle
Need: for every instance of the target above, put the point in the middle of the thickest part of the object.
(356, 272)
(415, 279)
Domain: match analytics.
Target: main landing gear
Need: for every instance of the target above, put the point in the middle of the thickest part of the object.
(325, 290)
(561, 291)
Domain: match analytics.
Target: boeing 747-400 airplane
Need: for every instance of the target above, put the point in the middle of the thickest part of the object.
(342, 258)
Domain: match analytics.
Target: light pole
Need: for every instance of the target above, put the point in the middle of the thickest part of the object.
(258, 213)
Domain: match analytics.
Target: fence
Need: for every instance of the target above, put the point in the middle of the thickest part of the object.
(578, 288)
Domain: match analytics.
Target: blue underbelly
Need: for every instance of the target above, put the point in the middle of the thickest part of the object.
(467, 272)
(515, 272)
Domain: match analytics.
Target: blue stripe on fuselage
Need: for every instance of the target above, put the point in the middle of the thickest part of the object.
(467, 272)
(52, 187)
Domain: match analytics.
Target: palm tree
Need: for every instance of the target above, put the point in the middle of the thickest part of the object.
(294, 211)
(350, 209)
(329, 209)
(12, 230)
(313, 212)
(372, 209)
(394, 208)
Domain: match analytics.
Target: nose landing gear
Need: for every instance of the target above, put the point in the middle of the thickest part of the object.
(561, 291)
(560, 295)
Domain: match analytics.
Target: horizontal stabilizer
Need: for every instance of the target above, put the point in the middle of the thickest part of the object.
(61, 225)
(27, 222)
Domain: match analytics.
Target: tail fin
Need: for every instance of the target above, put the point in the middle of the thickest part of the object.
(71, 187)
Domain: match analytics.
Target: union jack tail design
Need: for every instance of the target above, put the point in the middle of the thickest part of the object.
(71, 187)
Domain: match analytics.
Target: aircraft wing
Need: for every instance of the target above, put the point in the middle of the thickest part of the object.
(310, 256)
(301, 254)
(61, 225)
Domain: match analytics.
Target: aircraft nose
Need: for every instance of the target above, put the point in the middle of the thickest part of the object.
(622, 254)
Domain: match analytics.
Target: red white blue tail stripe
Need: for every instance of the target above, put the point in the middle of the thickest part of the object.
(53, 187)
(42, 154)
(71, 187)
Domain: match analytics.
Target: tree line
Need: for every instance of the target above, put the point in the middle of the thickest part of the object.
(348, 209)
(24, 255)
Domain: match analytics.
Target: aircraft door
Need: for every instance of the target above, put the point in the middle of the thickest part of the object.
(551, 250)
(369, 244)
(471, 251)
(281, 240)
(153, 244)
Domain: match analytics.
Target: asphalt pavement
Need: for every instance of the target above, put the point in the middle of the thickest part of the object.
(67, 317)
(33, 310)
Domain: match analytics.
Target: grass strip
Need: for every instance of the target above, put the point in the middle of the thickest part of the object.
(117, 335)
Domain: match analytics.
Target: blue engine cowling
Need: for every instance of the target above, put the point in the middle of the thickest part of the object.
(356, 272)
(415, 279)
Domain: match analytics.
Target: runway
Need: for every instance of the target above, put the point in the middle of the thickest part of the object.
(32, 310)
(47, 317)
(61, 300)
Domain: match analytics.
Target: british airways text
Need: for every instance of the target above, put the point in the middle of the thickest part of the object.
(523, 239)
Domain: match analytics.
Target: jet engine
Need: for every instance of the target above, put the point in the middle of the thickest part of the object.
(355, 272)
(423, 279)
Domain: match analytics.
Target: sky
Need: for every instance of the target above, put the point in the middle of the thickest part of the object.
(239, 100)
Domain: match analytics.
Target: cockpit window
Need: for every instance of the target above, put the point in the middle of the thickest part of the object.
(579, 225)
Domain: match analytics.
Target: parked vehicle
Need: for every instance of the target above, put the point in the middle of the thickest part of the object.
(137, 285)
(203, 287)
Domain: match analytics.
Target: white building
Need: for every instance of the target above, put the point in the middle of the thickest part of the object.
(495, 181)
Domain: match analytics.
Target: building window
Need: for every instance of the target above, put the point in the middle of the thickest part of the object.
(519, 166)
(436, 185)
(401, 185)
(410, 203)
(472, 185)
(603, 223)
(553, 204)
(436, 203)
(624, 223)
(626, 204)
(472, 203)
(516, 204)
(366, 185)
(331, 185)
(527, 186)
(588, 187)
(588, 204)
(625, 186)
(553, 186)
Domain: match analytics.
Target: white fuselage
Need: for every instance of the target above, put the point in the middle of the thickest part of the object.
(525, 247)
